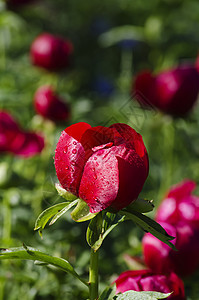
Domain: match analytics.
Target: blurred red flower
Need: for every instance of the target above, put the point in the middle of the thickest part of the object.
(174, 91)
(159, 257)
(104, 166)
(50, 52)
(49, 105)
(16, 141)
(18, 3)
(146, 280)
(180, 205)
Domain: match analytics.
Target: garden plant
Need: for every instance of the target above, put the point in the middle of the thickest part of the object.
(99, 148)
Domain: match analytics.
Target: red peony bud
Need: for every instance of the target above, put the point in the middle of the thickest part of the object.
(50, 52)
(104, 166)
(174, 91)
(49, 105)
(146, 280)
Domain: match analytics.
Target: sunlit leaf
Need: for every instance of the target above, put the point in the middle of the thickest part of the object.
(81, 212)
(132, 295)
(64, 193)
(38, 256)
(117, 34)
(55, 212)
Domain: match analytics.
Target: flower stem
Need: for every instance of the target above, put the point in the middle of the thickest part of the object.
(93, 275)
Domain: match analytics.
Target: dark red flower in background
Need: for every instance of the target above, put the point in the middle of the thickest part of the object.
(49, 105)
(104, 166)
(146, 280)
(51, 52)
(16, 141)
(18, 3)
(174, 91)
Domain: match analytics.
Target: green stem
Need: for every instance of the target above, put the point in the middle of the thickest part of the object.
(93, 275)
(168, 152)
(126, 71)
(6, 234)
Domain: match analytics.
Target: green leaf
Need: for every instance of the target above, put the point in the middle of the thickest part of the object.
(149, 225)
(141, 205)
(55, 211)
(81, 212)
(64, 193)
(110, 222)
(117, 34)
(100, 227)
(132, 295)
(38, 256)
(94, 232)
(108, 293)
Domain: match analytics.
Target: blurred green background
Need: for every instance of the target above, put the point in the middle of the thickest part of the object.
(113, 40)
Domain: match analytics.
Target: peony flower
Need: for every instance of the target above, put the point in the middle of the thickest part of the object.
(50, 52)
(104, 166)
(16, 141)
(49, 105)
(180, 205)
(174, 91)
(146, 280)
(160, 258)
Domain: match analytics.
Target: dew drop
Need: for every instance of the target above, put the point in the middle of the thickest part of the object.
(95, 158)
(74, 143)
(93, 169)
(74, 151)
(66, 167)
(73, 162)
(95, 176)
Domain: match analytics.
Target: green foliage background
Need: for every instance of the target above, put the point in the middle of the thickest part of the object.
(165, 34)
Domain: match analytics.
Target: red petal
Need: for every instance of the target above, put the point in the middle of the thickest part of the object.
(112, 177)
(132, 175)
(69, 159)
(77, 130)
(100, 180)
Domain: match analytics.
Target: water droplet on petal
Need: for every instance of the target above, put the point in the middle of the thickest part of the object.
(73, 162)
(74, 143)
(66, 167)
(74, 151)
(95, 176)
(95, 158)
